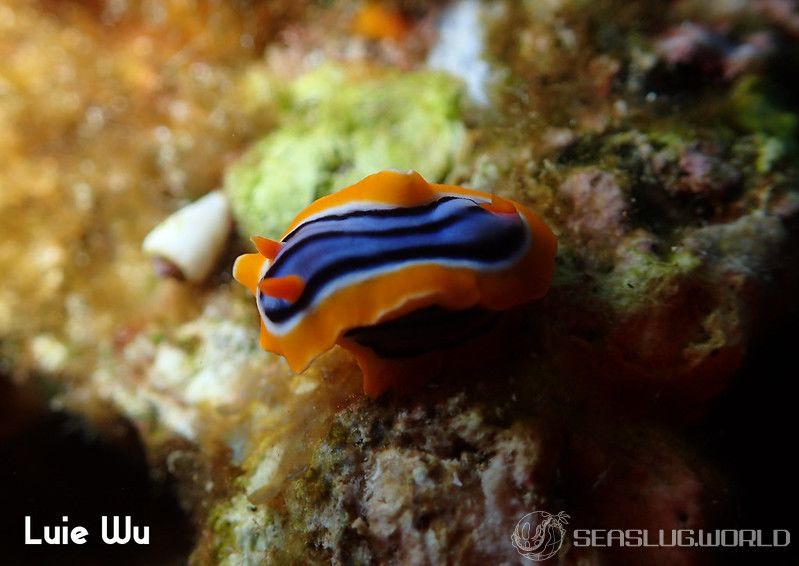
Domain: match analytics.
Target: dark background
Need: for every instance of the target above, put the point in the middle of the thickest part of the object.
(53, 465)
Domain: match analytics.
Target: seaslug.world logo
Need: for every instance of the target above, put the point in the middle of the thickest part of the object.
(114, 531)
(539, 535)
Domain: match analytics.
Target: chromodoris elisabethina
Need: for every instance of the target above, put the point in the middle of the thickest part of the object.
(393, 268)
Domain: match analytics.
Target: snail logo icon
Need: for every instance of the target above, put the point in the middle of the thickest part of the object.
(539, 535)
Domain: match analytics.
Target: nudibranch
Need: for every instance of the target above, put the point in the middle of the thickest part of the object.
(393, 268)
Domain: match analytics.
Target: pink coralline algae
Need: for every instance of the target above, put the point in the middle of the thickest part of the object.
(712, 52)
(598, 207)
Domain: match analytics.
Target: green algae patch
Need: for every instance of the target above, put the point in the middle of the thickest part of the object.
(340, 125)
(640, 275)
(754, 110)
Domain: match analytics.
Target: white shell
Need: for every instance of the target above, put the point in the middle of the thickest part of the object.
(193, 237)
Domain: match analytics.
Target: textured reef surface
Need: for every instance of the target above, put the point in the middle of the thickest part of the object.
(658, 140)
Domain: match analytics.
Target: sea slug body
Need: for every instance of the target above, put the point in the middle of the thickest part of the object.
(393, 268)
